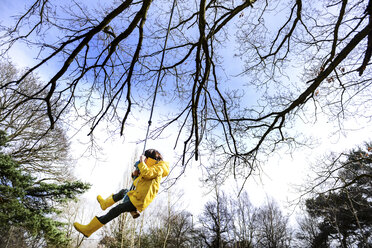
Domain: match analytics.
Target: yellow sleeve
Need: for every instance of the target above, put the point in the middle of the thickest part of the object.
(150, 172)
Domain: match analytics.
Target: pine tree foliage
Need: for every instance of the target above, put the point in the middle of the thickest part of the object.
(343, 214)
(32, 204)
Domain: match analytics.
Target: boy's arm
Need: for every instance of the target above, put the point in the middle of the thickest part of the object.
(136, 165)
(136, 172)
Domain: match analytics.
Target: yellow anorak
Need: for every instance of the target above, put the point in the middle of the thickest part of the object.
(148, 182)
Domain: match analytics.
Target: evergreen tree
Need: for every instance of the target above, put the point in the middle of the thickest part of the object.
(344, 213)
(32, 204)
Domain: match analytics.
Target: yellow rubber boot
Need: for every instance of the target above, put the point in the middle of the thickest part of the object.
(87, 230)
(105, 203)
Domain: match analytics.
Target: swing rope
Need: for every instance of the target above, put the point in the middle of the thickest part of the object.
(158, 80)
(159, 73)
(154, 99)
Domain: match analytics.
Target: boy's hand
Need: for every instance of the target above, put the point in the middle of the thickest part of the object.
(135, 173)
(142, 158)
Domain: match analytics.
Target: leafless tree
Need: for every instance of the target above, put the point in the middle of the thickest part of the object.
(273, 228)
(305, 58)
(307, 232)
(181, 230)
(70, 213)
(216, 222)
(41, 153)
(244, 219)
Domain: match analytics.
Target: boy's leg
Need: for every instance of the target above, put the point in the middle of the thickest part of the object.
(109, 201)
(114, 212)
(120, 195)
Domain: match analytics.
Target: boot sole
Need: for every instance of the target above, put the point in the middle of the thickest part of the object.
(135, 215)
